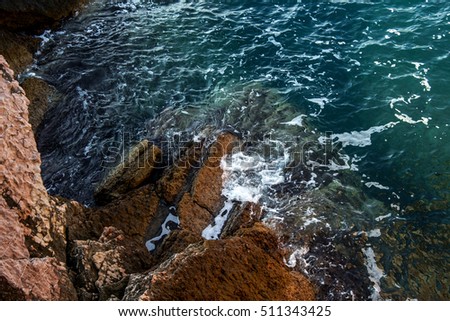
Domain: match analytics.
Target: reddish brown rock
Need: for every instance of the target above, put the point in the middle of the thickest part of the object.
(174, 181)
(242, 216)
(31, 223)
(237, 268)
(35, 279)
(207, 187)
(20, 180)
(100, 265)
(193, 217)
(131, 213)
(194, 189)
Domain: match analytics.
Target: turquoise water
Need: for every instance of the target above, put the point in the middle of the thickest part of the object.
(371, 75)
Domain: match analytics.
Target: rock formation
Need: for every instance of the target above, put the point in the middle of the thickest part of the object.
(32, 261)
(55, 249)
(245, 264)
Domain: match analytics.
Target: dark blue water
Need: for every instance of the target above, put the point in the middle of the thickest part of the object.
(373, 75)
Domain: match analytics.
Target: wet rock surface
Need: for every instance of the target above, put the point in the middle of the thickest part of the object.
(130, 173)
(17, 49)
(20, 23)
(42, 97)
(246, 264)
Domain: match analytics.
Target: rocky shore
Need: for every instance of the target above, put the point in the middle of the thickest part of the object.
(56, 249)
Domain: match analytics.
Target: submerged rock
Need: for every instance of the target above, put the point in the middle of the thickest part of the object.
(131, 173)
(17, 49)
(42, 97)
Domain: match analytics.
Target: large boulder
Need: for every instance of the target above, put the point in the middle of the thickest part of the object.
(244, 267)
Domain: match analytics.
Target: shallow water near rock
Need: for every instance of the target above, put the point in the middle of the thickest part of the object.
(367, 79)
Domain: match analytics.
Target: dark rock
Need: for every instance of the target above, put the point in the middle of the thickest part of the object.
(207, 186)
(132, 172)
(99, 266)
(36, 14)
(42, 97)
(17, 49)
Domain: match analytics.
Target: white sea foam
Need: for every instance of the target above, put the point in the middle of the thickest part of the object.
(312, 220)
(237, 192)
(297, 121)
(376, 184)
(84, 97)
(417, 64)
(382, 217)
(272, 40)
(394, 101)
(375, 273)
(348, 163)
(212, 231)
(296, 256)
(374, 233)
(394, 31)
(45, 38)
(312, 181)
(321, 101)
(413, 97)
(407, 119)
(424, 82)
(358, 138)
(150, 244)
(246, 177)
(90, 145)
